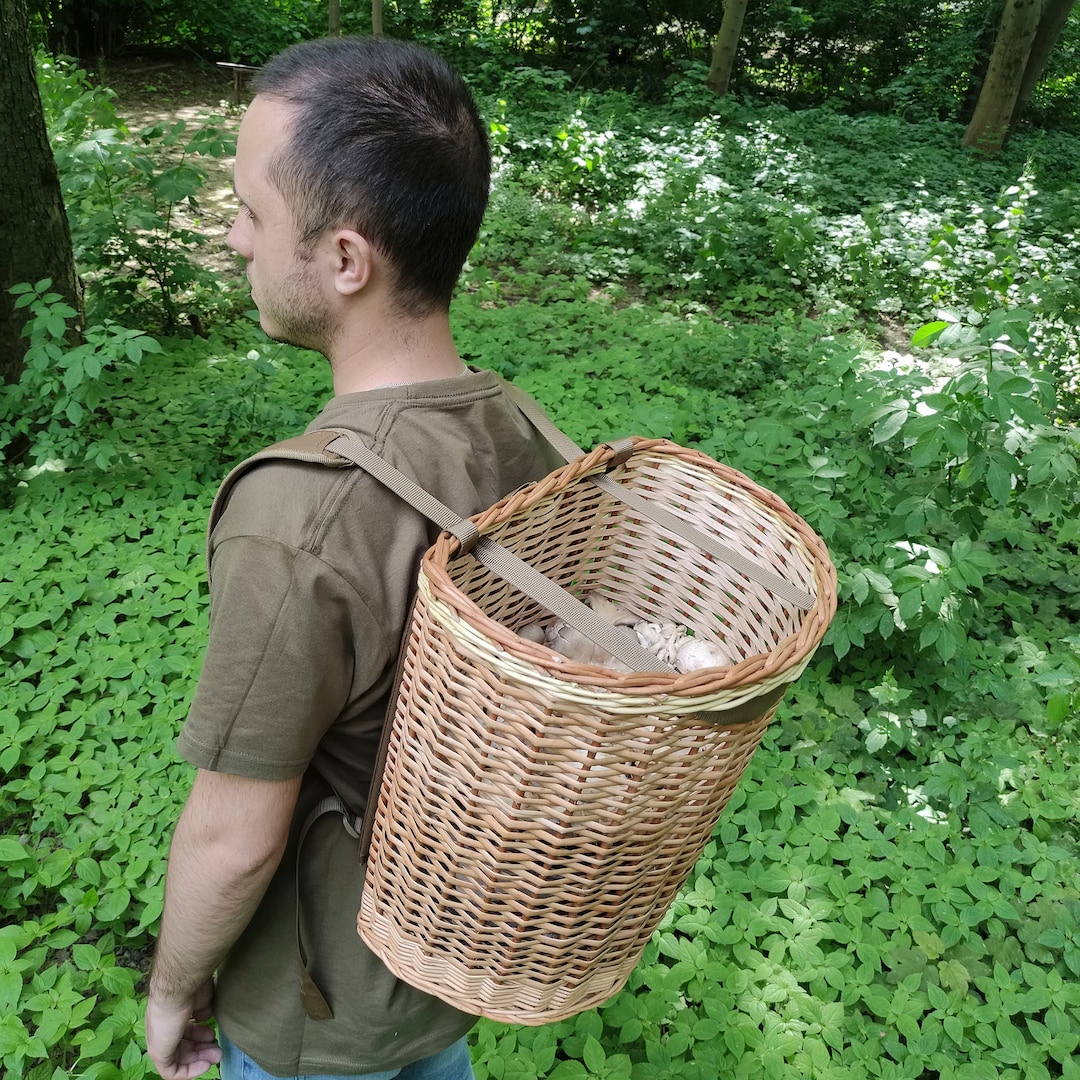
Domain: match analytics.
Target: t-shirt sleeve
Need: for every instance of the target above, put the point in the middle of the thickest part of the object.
(286, 635)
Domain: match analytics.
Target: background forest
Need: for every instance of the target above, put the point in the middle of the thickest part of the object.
(808, 277)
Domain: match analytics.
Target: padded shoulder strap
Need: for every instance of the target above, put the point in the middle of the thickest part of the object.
(310, 446)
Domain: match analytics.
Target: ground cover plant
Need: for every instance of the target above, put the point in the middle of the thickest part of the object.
(863, 319)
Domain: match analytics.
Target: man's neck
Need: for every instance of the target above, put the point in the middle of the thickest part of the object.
(400, 352)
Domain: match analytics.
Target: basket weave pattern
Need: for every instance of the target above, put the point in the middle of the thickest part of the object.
(537, 817)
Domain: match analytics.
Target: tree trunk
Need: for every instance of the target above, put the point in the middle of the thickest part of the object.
(376, 18)
(1055, 14)
(984, 46)
(35, 239)
(1000, 92)
(335, 18)
(726, 45)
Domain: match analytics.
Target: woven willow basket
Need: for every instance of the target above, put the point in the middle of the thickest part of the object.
(537, 817)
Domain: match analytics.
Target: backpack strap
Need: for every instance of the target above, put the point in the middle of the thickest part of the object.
(310, 447)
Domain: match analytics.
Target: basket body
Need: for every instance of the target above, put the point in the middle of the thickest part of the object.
(537, 817)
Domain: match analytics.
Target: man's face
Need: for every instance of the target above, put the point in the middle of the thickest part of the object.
(286, 288)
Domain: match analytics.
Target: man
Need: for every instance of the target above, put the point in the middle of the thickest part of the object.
(362, 170)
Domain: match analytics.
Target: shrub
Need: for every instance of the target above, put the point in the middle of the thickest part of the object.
(123, 194)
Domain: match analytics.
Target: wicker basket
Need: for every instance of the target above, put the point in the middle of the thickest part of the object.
(537, 817)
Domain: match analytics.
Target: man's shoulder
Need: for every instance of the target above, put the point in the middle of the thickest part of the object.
(273, 497)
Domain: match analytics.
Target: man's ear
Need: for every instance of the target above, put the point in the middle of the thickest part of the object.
(354, 261)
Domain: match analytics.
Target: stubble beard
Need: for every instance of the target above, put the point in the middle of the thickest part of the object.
(298, 315)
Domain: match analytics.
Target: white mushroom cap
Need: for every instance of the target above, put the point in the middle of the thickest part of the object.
(696, 653)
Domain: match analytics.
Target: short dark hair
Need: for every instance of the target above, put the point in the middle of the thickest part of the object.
(386, 140)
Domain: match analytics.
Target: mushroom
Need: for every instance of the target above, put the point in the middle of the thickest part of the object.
(671, 644)
(697, 653)
(663, 639)
(574, 645)
(532, 632)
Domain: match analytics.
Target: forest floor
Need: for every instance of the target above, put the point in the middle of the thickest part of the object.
(152, 91)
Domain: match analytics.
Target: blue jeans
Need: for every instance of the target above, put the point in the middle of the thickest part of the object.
(450, 1064)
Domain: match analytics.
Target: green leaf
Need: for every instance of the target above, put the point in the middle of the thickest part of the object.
(589, 1024)
(954, 976)
(928, 334)
(886, 428)
(73, 374)
(119, 982)
(954, 1028)
(568, 1070)
(12, 851)
(927, 448)
(876, 739)
(910, 604)
(86, 957)
(948, 641)
(113, 905)
(593, 1055)
(88, 870)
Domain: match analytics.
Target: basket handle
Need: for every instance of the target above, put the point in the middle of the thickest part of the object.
(568, 450)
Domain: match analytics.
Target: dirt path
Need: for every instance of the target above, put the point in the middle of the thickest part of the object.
(149, 92)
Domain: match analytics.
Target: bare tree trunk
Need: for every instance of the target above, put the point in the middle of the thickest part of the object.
(984, 47)
(726, 45)
(35, 239)
(335, 18)
(1055, 15)
(989, 125)
(376, 17)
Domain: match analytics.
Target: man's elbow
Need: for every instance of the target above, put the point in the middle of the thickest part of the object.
(248, 860)
(238, 828)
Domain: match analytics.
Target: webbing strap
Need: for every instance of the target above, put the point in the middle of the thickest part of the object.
(654, 512)
(499, 560)
(311, 997)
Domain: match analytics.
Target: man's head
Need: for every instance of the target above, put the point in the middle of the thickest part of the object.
(383, 138)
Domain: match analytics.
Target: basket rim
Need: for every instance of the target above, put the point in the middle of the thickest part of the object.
(788, 655)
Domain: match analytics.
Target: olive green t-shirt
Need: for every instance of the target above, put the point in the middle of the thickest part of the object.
(313, 570)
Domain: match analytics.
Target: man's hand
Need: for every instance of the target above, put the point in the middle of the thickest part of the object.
(178, 1040)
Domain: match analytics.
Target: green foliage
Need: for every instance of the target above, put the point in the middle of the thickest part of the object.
(99, 648)
(123, 194)
(249, 31)
(942, 462)
(762, 210)
(906, 57)
(61, 403)
(102, 626)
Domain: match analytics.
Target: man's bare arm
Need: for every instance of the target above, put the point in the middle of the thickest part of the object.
(227, 845)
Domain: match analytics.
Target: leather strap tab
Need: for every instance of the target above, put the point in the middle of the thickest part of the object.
(747, 711)
(311, 996)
